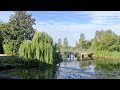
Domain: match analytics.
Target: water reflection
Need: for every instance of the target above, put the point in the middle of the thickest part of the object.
(31, 73)
(85, 70)
(70, 63)
(73, 69)
(69, 69)
(107, 67)
(85, 64)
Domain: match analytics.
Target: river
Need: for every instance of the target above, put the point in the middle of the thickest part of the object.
(68, 69)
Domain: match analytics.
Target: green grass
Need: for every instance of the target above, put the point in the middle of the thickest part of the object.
(10, 59)
(106, 55)
(106, 59)
(27, 63)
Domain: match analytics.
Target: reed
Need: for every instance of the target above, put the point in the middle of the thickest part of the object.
(107, 58)
(106, 55)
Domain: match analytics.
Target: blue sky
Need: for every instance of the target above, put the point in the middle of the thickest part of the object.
(71, 24)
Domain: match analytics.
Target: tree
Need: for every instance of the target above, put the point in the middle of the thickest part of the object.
(22, 23)
(77, 45)
(106, 40)
(7, 35)
(65, 43)
(56, 54)
(59, 43)
(81, 41)
(5, 30)
(87, 44)
(1, 38)
(1, 42)
(18, 29)
(41, 49)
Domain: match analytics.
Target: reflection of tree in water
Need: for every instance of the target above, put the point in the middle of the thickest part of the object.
(37, 74)
(109, 71)
(32, 73)
(84, 64)
(107, 67)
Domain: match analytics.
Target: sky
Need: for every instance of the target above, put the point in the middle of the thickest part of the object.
(70, 24)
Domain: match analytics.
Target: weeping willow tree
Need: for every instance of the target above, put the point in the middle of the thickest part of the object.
(41, 49)
(25, 50)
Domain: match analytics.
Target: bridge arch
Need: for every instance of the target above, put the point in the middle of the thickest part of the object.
(80, 55)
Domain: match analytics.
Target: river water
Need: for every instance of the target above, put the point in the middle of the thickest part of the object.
(73, 69)
(68, 69)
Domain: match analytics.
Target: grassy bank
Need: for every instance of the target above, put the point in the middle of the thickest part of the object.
(33, 73)
(30, 69)
(107, 58)
(27, 63)
(10, 59)
(106, 55)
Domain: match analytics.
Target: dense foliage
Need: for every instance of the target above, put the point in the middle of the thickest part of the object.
(1, 38)
(65, 43)
(7, 34)
(18, 29)
(1, 42)
(106, 40)
(60, 43)
(83, 43)
(22, 23)
(41, 48)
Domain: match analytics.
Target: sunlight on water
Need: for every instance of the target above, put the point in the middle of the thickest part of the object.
(68, 69)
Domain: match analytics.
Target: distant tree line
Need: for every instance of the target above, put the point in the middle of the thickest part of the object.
(103, 40)
(106, 40)
(82, 44)
(65, 44)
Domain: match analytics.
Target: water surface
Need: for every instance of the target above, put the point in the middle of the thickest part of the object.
(68, 69)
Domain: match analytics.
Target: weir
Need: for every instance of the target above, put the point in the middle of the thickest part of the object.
(80, 55)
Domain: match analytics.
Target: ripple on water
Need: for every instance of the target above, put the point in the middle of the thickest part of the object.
(77, 70)
(72, 73)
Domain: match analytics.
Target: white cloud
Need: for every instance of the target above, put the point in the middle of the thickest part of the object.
(53, 26)
(101, 17)
(70, 30)
(104, 17)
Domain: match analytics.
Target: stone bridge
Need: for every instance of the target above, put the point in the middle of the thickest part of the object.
(79, 54)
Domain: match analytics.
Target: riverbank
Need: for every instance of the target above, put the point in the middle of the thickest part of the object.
(107, 58)
(66, 70)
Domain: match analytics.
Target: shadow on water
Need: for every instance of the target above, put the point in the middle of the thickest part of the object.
(69, 69)
(33, 73)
